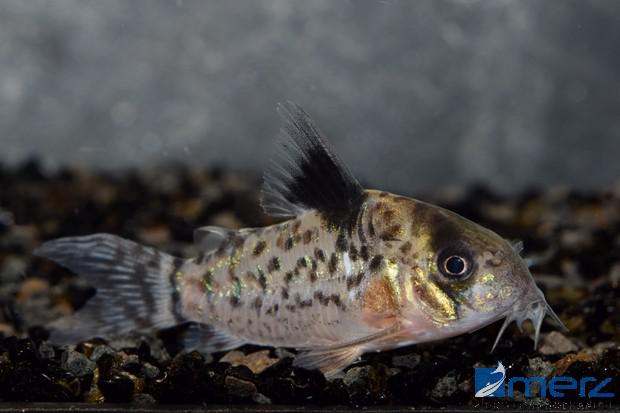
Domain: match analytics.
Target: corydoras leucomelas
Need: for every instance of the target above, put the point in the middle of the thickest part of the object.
(350, 270)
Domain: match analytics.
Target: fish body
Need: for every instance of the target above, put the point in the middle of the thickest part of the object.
(350, 271)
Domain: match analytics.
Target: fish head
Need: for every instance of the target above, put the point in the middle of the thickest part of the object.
(458, 276)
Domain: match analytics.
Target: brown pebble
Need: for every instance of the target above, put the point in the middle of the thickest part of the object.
(257, 361)
(557, 343)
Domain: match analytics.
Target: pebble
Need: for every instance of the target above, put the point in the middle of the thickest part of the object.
(150, 371)
(76, 363)
(282, 353)
(154, 235)
(366, 384)
(539, 367)
(445, 386)
(7, 329)
(100, 350)
(13, 269)
(6, 218)
(257, 362)
(239, 387)
(260, 398)
(409, 361)
(31, 287)
(226, 220)
(557, 343)
(46, 350)
(117, 388)
(143, 399)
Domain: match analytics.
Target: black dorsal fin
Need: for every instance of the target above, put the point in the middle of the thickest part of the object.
(307, 175)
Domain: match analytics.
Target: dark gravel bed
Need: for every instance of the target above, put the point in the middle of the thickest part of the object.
(572, 238)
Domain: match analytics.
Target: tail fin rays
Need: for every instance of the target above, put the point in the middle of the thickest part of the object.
(136, 288)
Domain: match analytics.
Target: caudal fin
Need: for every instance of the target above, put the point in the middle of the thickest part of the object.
(136, 287)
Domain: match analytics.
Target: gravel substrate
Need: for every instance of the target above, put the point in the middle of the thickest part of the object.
(573, 238)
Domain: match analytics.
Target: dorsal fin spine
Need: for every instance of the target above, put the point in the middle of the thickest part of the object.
(308, 175)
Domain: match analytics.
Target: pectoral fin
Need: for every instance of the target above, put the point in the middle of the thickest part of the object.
(331, 360)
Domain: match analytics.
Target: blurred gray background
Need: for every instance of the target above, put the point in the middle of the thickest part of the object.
(414, 95)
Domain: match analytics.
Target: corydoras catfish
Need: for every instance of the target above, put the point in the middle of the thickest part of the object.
(350, 271)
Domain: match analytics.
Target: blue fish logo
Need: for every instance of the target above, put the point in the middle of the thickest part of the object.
(489, 382)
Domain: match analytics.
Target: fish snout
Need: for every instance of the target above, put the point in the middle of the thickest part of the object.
(534, 307)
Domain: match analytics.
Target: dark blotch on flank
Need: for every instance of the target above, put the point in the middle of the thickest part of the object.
(238, 241)
(289, 243)
(273, 309)
(301, 263)
(376, 262)
(325, 300)
(391, 233)
(284, 293)
(307, 236)
(262, 280)
(319, 254)
(274, 264)
(333, 263)
(288, 277)
(341, 242)
(296, 225)
(259, 248)
(364, 253)
(235, 298)
(406, 247)
(353, 252)
(221, 249)
(335, 299)
(355, 280)
(389, 215)
(258, 304)
(302, 303)
(280, 240)
(313, 276)
(207, 279)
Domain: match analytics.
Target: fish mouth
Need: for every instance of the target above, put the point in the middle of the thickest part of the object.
(532, 306)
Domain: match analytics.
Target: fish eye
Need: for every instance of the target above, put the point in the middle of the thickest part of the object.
(455, 264)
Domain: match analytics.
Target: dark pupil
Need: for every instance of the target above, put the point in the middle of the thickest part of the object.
(455, 265)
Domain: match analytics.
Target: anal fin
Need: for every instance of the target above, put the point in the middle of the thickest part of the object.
(208, 339)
